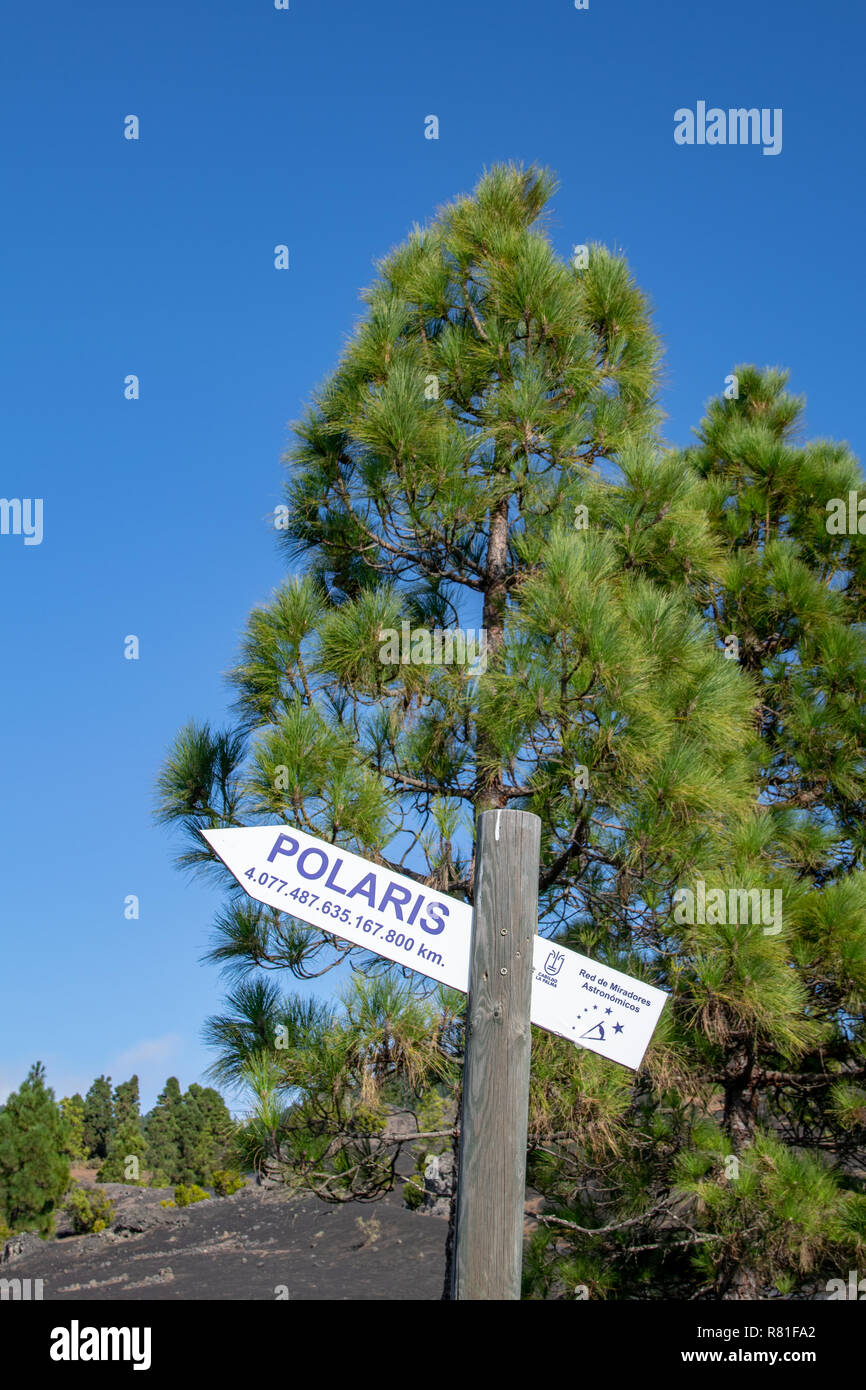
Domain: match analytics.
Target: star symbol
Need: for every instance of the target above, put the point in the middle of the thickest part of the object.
(617, 1027)
(608, 1011)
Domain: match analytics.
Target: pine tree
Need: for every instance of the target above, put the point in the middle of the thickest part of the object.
(72, 1109)
(186, 1134)
(204, 1126)
(126, 1154)
(793, 598)
(34, 1162)
(487, 454)
(446, 475)
(440, 474)
(98, 1117)
(125, 1149)
(771, 1020)
(325, 1097)
(127, 1102)
(162, 1135)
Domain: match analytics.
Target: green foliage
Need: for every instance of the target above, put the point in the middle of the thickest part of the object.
(187, 1193)
(771, 1024)
(162, 1133)
(72, 1110)
(226, 1182)
(127, 1143)
(261, 1020)
(781, 1213)
(98, 1117)
(91, 1211)
(186, 1134)
(326, 1109)
(126, 1102)
(413, 1193)
(34, 1161)
(204, 1125)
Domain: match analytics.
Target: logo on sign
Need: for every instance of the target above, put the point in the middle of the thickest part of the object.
(552, 967)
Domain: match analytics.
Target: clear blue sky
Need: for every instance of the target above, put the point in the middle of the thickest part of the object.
(155, 257)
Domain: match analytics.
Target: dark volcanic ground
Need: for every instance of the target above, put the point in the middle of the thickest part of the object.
(242, 1247)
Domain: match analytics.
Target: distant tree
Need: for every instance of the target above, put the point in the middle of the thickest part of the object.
(127, 1101)
(186, 1134)
(127, 1141)
(34, 1162)
(126, 1154)
(204, 1127)
(72, 1109)
(162, 1135)
(98, 1117)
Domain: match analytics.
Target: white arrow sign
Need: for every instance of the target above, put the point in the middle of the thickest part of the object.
(427, 931)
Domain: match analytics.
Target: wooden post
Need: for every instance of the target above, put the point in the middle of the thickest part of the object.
(491, 1172)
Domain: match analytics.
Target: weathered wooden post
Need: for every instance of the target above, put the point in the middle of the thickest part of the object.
(491, 1174)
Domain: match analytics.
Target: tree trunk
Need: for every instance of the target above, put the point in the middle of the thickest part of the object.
(740, 1094)
(740, 1108)
(490, 786)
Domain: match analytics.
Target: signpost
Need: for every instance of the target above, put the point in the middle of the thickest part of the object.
(512, 975)
(491, 1166)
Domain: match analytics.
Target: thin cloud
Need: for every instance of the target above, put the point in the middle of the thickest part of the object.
(150, 1050)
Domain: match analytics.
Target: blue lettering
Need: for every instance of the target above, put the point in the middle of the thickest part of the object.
(278, 847)
(419, 902)
(368, 893)
(390, 896)
(322, 855)
(332, 875)
(433, 909)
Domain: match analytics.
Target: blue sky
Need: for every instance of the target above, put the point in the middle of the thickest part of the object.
(156, 257)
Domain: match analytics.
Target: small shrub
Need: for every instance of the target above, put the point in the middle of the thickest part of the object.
(91, 1211)
(226, 1181)
(370, 1229)
(185, 1194)
(413, 1193)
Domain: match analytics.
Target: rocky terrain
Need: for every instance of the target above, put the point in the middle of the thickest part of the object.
(261, 1243)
